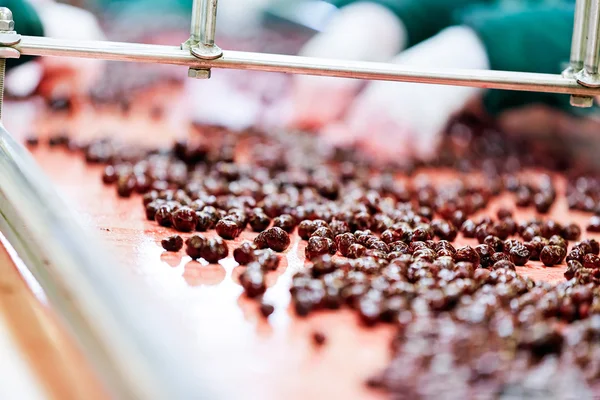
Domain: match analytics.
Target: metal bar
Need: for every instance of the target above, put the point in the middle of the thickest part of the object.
(114, 320)
(6, 18)
(206, 49)
(521, 81)
(592, 55)
(589, 76)
(210, 22)
(196, 29)
(580, 32)
(2, 76)
(579, 42)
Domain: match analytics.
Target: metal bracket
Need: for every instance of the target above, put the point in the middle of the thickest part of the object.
(570, 72)
(588, 79)
(187, 45)
(9, 52)
(580, 42)
(9, 38)
(577, 100)
(201, 43)
(206, 52)
(589, 75)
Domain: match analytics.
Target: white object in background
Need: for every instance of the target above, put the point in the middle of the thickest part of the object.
(22, 81)
(60, 21)
(359, 32)
(234, 16)
(218, 101)
(399, 119)
(17, 380)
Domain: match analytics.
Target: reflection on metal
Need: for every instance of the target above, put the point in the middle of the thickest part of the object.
(589, 76)
(31, 45)
(8, 37)
(579, 43)
(113, 319)
(204, 30)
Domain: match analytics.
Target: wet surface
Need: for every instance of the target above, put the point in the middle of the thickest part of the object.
(259, 358)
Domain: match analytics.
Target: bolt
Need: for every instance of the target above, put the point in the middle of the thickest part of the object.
(199, 73)
(6, 25)
(2, 73)
(582, 101)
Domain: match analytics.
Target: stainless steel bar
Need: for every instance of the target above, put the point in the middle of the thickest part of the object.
(196, 29)
(592, 55)
(580, 32)
(522, 81)
(6, 18)
(210, 22)
(589, 75)
(114, 320)
(2, 75)
(578, 48)
(206, 49)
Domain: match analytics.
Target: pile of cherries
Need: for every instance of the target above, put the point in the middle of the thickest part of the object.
(380, 242)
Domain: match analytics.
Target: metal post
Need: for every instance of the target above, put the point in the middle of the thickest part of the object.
(206, 49)
(202, 40)
(210, 21)
(2, 73)
(578, 47)
(6, 25)
(588, 76)
(196, 29)
(8, 38)
(579, 40)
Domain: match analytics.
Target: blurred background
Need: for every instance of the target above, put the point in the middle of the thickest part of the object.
(244, 99)
(238, 99)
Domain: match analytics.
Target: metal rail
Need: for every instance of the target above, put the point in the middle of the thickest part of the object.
(522, 81)
(114, 320)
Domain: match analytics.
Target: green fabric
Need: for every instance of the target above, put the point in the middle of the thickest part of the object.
(144, 6)
(27, 23)
(527, 39)
(422, 18)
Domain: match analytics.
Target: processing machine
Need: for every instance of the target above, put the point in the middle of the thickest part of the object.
(97, 298)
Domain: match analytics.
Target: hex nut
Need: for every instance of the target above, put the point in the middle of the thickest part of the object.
(7, 25)
(582, 101)
(6, 20)
(199, 73)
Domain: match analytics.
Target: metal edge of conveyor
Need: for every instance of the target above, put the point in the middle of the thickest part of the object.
(114, 319)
